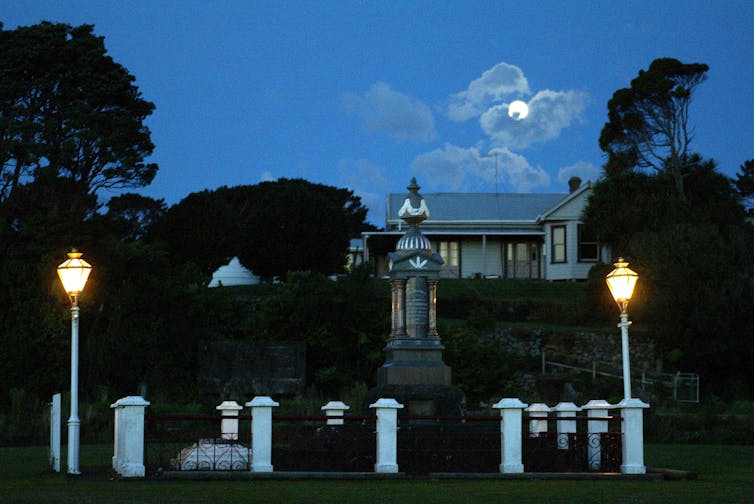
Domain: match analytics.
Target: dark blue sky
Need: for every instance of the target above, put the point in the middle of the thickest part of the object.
(368, 94)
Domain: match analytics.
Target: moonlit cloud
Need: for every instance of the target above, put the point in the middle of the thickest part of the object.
(585, 171)
(549, 113)
(454, 168)
(494, 85)
(383, 110)
(266, 177)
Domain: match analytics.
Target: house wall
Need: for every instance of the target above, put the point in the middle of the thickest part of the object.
(475, 262)
(571, 269)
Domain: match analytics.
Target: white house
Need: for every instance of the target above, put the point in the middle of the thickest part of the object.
(493, 235)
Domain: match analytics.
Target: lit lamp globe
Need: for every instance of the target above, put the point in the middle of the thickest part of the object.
(73, 273)
(621, 282)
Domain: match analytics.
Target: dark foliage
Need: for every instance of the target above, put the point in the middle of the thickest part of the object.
(683, 228)
(345, 324)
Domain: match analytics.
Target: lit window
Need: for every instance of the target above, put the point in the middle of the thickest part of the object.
(449, 252)
(558, 244)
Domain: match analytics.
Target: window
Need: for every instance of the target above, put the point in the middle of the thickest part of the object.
(589, 247)
(449, 252)
(558, 244)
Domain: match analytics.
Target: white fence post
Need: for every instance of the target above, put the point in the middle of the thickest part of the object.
(229, 422)
(565, 410)
(117, 434)
(55, 433)
(387, 435)
(632, 428)
(537, 418)
(128, 457)
(334, 412)
(510, 434)
(261, 433)
(597, 409)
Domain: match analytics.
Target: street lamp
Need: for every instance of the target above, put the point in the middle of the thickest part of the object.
(621, 282)
(73, 274)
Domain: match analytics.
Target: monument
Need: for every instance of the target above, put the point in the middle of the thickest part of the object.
(414, 373)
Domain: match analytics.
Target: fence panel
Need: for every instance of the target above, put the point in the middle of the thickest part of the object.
(193, 443)
(580, 451)
(449, 445)
(309, 444)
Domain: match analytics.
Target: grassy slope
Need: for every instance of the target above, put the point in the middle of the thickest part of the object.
(726, 474)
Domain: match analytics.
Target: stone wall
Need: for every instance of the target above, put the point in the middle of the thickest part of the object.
(233, 369)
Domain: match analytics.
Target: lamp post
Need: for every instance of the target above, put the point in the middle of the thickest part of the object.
(73, 274)
(621, 282)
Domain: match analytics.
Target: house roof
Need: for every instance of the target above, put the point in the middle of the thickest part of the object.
(479, 207)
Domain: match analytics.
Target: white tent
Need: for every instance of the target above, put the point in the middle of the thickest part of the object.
(233, 273)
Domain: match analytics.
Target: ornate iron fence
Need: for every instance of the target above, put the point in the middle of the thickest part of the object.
(579, 451)
(193, 443)
(468, 444)
(309, 444)
(426, 445)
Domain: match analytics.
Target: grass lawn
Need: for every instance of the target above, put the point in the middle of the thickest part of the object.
(726, 474)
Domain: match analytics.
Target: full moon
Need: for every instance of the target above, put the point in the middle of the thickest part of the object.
(518, 110)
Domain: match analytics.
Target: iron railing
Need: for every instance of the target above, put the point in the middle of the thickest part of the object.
(469, 444)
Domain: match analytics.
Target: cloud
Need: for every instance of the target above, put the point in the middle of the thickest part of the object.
(585, 171)
(549, 113)
(367, 181)
(456, 168)
(266, 177)
(383, 110)
(494, 85)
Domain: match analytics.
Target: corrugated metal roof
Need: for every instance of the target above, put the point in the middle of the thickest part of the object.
(480, 207)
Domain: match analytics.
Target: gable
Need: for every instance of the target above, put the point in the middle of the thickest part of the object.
(569, 208)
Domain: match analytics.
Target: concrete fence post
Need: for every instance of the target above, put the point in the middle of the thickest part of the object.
(128, 446)
(55, 414)
(261, 433)
(597, 409)
(117, 434)
(334, 412)
(387, 435)
(537, 418)
(229, 421)
(511, 412)
(565, 411)
(632, 428)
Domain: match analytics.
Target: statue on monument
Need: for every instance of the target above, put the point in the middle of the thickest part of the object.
(414, 205)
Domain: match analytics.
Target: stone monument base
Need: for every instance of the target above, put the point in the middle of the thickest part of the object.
(422, 400)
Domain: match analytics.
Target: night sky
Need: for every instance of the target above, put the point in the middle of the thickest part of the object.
(366, 95)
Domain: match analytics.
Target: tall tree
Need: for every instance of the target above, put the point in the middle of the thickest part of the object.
(71, 123)
(648, 122)
(68, 110)
(745, 184)
(296, 225)
(202, 228)
(681, 222)
(272, 227)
